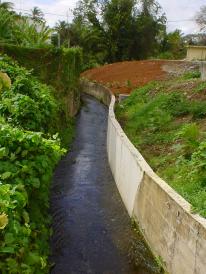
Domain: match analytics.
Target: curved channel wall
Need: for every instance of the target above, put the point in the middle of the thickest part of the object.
(173, 233)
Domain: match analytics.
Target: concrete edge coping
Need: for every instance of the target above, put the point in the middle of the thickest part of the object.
(185, 205)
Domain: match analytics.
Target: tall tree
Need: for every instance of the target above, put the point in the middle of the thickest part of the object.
(7, 5)
(6, 25)
(31, 34)
(88, 30)
(37, 15)
(118, 20)
(120, 29)
(173, 45)
(151, 22)
(64, 31)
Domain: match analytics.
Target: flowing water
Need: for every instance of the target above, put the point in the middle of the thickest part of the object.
(92, 230)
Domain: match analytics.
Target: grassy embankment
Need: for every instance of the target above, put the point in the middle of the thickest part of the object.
(166, 121)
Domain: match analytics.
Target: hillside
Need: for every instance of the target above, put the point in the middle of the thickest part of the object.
(166, 121)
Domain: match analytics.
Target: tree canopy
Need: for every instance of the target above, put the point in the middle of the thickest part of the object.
(119, 29)
(107, 30)
(7, 5)
(37, 15)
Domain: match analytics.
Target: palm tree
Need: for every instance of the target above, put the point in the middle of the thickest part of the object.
(64, 31)
(6, 5)
(6, 25)
(37, 15)
(31, 35)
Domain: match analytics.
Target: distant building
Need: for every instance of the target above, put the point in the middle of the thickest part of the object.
(196, 53)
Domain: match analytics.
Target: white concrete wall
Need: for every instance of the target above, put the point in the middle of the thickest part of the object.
(164, 217)
(126, 163)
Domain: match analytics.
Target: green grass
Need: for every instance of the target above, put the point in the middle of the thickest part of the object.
(191, 75)
(167, 124)
(201, 87)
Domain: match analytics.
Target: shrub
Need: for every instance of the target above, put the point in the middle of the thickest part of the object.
(198, 109)
(28, 103)
(176, 104)
(189, 134)
(27, 162)
(191, 75)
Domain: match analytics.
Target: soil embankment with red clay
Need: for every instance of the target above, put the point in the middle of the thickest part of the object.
(123, 77)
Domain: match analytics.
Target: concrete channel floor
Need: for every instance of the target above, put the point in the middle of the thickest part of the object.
(92, 230)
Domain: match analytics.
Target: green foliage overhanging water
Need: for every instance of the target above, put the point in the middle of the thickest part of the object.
(31, 141)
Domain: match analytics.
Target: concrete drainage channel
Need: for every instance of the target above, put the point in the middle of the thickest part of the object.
(92, 230)
(174, 234)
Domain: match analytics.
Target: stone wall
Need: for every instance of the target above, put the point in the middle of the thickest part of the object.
(171, 230)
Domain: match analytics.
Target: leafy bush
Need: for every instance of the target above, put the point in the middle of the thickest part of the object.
(176, 104)
(27, 162)
(198, 109)
(28, 103)
(30, 33)
(166, 55)
(58, 67)
(192, 75)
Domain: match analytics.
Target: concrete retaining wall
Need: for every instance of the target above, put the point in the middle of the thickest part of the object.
(172, 232)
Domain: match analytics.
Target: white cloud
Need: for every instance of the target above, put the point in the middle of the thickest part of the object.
(54, 10)
(176, 10)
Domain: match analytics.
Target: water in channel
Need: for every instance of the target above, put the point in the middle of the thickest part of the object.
(92, 231)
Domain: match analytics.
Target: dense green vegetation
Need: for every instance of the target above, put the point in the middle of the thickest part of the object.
(28, 103)
(166, 122)
(35, 125)
(30, 30)
(29, 150)
(118, 30)
(59, 68)
(107, 31)
(27, 162)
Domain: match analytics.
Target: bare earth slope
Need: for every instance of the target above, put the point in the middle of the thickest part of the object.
(123, 77)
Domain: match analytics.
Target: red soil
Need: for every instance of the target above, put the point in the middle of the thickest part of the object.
(123, 77)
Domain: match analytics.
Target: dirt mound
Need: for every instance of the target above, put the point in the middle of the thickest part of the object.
(123, 77)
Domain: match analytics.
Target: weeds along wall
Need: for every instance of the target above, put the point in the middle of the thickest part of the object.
(57, 67)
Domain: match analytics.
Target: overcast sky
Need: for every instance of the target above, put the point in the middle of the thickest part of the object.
(176, 10)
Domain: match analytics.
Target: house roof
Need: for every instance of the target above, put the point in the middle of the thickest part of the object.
(197, 47)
